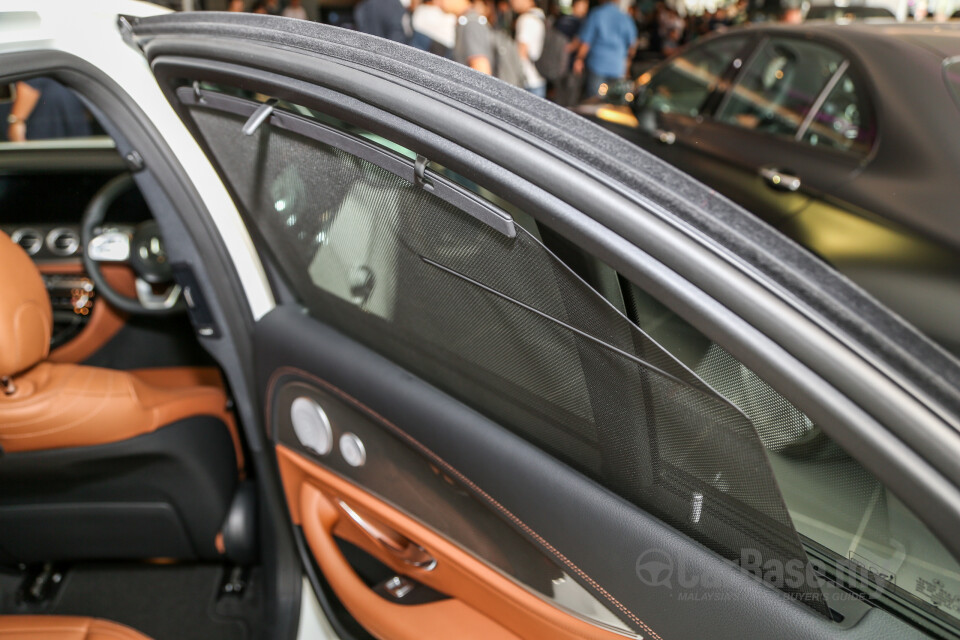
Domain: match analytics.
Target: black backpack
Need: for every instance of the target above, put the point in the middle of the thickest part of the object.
(554, 61)
(507, 65)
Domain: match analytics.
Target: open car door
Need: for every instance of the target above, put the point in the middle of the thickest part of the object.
(518, 387)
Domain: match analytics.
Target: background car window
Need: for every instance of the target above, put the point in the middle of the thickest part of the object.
(844, 120)
(685, 83)
(779, 86)
(503, 325)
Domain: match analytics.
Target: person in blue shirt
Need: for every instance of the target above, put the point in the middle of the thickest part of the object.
(608, 39)
(43, 109)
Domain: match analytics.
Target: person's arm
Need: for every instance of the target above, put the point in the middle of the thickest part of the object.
(523, 50)
(631, 52)
(23, 105)
(581, 56)
(481, 64)
(477, 47)
(634, 38)
(585, 37)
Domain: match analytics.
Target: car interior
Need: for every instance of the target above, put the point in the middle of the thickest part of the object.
(125, 489)
(129, 483)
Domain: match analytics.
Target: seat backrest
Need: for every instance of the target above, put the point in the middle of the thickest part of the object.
(26, 319)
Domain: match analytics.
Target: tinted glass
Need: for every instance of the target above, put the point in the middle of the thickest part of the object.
(844, 14)
(684, 85)
(844, 120)
(779, 86)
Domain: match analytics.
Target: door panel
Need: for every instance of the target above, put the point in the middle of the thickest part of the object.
(434, 497)
(730, 160)
(593, 536)
(483, 602)
(400, 471)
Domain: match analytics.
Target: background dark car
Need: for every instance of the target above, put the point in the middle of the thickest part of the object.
(838, 13)
(821, 131)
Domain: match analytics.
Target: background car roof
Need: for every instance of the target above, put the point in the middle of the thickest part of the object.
(940, 38)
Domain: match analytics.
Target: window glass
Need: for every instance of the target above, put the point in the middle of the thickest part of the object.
(503, 325)
(684, 85)
(843, 513)
(843, 121)
(779, 86)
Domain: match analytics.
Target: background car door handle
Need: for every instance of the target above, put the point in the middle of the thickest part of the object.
(664, 136)
(779, 180)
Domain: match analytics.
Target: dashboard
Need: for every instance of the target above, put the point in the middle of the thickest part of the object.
(43, 194)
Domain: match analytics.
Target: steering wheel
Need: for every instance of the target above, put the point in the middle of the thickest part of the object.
(140, 247)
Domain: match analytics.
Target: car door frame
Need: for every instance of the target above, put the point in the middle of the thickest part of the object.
(799, 339)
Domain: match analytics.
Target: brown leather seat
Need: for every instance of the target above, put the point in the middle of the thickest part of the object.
(64, 628)
(45, 405)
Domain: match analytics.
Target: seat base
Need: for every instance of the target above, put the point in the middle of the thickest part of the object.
(57, 406)
(64, 628)
(163, 494)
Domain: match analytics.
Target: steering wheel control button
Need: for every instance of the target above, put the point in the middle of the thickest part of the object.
(352, 450)
(311, 425)
(110, 246)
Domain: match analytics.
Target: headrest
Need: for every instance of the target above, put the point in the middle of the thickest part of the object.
(26, 319)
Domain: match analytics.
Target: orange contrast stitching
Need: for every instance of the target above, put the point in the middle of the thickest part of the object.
(450, 468)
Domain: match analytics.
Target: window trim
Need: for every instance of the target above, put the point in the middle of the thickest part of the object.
(425, 177)
(820, 99)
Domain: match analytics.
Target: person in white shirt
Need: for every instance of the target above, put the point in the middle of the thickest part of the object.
(295, 10)
(435, 23)
(531, 30)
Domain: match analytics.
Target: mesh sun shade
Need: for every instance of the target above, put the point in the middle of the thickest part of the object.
(505, 327)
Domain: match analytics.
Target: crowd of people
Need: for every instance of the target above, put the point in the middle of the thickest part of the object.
(565, 55)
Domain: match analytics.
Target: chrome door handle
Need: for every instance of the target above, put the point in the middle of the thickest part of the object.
(391, 541)
(779, 180)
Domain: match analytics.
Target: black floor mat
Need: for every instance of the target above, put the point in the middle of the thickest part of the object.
(166, 602)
